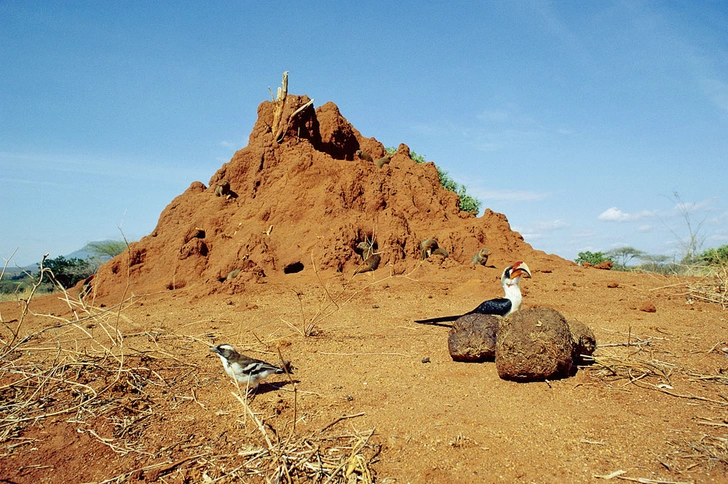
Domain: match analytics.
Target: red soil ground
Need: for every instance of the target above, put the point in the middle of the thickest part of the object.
(133, 390)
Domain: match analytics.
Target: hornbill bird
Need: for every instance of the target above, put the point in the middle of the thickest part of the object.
(502, 306)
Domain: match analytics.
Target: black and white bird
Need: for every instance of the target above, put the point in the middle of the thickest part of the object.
(502, 306)
(248, 371)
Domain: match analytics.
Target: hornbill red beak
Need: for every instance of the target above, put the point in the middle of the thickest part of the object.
(520, 269)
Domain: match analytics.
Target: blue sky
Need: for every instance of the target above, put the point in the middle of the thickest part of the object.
(578, 120)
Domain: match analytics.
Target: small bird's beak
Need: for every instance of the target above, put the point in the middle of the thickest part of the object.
(213, 349)
(520, 269)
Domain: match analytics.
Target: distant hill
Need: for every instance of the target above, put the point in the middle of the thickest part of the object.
(83, 253)
(12, 270)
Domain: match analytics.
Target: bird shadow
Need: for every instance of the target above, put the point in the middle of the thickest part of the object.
(267, 387)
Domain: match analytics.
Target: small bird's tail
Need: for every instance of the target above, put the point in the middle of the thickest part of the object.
(438, 321)
(286, 367)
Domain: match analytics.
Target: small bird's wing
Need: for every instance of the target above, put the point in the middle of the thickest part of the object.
(257, 367)
(500, 306)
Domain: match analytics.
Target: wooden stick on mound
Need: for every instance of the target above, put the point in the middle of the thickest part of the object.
(282, 132)
(278, 128)
(280, 103)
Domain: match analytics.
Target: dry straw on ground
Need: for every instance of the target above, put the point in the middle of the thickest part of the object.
(114, 387)
(699, 282)
(634, 363)
(713, 287)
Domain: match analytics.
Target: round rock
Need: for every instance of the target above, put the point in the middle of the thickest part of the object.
(584, 341)
(472, 338)
(534, 344)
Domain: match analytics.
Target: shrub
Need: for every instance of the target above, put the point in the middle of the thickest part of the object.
(67, 272)
(9, 287)
(657, 264)
(715, 257)
(592, 258)
(19, 285)
(468, 203)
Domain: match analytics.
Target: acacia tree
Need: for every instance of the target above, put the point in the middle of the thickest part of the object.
(107, 248)
(624, 255)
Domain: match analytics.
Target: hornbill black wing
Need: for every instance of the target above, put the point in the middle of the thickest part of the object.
(500, 306)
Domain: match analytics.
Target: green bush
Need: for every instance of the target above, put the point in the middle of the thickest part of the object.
(657, 264)
(67, 272)
(715, 257)
(467, 202)
(592, 258)
(9, 287)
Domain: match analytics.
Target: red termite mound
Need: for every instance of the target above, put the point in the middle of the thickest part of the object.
(306, 198)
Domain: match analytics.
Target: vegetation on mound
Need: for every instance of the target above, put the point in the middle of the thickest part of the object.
(467, 202)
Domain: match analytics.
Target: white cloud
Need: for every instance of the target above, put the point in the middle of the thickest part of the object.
(232, 145)
(585, 234)
(692, 207)
(721, 219)
(716, 91)
(551, 225)
(28, 181)
(107, 166)
(590, 248)
(488, 146)
(501, 128)
(539, 230)
(495, 115)
(614, 214)
(565, 131)
(530, 236)
(717, 240)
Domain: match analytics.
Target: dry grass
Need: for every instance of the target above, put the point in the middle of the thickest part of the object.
(710, 450)
(700, 282)
(74, 367)
(712, 287)
(82, 370)
(18, 296)
(634, 363)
